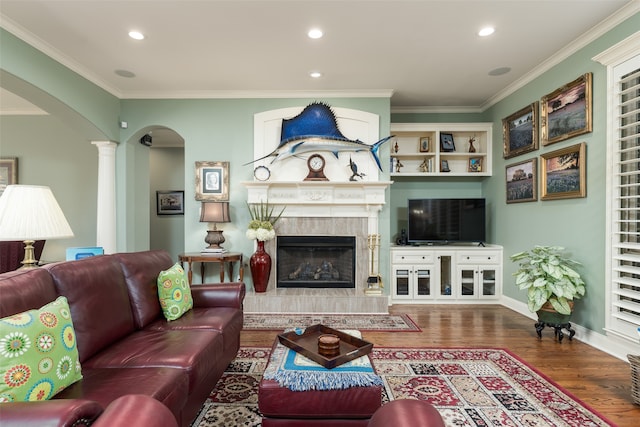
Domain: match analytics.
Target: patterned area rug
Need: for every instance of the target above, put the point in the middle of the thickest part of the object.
(469, 387)
(362, 322)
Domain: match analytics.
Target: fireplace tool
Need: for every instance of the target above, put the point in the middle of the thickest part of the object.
(374, 281)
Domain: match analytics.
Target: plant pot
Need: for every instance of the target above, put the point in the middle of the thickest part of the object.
(549, 315)
(260, 265)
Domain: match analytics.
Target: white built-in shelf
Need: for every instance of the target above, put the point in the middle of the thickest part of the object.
(417, 147)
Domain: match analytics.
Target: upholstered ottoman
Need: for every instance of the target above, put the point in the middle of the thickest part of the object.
(281, 406)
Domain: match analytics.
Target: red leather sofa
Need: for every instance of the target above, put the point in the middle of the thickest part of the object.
(125, 344)
(407, 413)
(129, 410)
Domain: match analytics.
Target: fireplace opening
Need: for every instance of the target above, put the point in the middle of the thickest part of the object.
(315, 261)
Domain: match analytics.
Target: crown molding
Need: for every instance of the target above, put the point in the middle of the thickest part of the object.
(44, 47)
(594, 33)
(435, 109)
(618, 17)
(599, 30)
(239, 94)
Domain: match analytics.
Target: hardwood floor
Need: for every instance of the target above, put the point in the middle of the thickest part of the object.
(598, 379)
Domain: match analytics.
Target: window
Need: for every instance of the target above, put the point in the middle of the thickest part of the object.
(623, 188)
(625, 214)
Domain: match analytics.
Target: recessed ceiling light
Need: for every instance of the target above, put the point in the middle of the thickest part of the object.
(315, 33)
(137, 35)
(125, 73)
(486, 31)
(499, 71)
(315, 74)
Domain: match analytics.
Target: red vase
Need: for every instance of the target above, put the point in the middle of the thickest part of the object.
(260, 264)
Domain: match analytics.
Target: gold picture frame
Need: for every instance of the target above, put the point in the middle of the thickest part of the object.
(522, 181)
(8, 172)
(212, 181)
(475, 164)
(566, 112)
(564, 173)
(520, 131)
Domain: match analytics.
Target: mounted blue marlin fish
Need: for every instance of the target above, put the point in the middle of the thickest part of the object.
(316, 129)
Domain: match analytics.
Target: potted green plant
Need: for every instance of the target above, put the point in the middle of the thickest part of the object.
(551, 280)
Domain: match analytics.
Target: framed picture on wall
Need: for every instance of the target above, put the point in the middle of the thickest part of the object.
(424, 144)
(522, 181)
(475, 164)
(170, 202)
(564, 173)
(8, 172)
(566, 112)
(520, 131)
(446, 143)
(212, 181)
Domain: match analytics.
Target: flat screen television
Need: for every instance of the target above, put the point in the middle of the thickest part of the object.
(439, 221)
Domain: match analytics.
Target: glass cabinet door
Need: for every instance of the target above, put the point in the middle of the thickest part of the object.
(446, 276)
(423, 281)
(488, 282)
(467, 282)
(401, 281)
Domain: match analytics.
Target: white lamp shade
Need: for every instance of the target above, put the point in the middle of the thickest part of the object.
(31, 212)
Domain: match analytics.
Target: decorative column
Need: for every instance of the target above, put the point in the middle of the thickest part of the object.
(106, 217)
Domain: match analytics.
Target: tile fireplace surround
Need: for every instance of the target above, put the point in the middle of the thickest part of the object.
(321, 209)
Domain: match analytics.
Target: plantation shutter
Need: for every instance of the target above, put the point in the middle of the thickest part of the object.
(625, 214)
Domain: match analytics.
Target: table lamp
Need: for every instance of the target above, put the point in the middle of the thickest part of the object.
(30, 213)
(214, 212)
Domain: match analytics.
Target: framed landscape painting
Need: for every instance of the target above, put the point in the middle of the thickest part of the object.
(566, 112)
(520, 131)
(564, 173)
(522, 181)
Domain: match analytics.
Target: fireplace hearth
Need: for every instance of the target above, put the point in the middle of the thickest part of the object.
(315, 261)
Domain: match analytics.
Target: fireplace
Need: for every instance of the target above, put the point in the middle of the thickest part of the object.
(315, 261)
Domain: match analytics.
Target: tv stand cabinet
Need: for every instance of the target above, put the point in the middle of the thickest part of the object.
(450, 274)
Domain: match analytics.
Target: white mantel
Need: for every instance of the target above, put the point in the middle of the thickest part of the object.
(322, 198)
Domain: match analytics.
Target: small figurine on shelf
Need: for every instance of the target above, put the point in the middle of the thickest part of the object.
(424, 166)
(354, 169)
(395, 147)
(472, 149)
(398, 165)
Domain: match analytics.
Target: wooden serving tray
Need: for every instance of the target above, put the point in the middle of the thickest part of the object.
(307, 345)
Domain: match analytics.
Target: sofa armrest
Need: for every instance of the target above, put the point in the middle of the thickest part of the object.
(136, 410)
(229, 294)
(49, 413)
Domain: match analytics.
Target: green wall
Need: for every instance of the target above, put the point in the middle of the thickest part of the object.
(51, 153)
(222, 129)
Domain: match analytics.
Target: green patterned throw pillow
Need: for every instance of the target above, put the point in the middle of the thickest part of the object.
(174, 292)
(38, 353)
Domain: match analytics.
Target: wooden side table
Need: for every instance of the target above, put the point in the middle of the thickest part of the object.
(222, 259)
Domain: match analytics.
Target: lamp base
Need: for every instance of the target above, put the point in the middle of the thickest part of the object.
(214, 239)
(29, 260)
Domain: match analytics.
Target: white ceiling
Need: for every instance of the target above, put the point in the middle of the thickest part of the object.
(424, 52)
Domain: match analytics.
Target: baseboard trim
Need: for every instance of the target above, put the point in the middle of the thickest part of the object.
(609, 344)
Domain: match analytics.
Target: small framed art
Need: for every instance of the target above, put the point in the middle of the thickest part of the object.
(520, 131)
(212, 181)
(522, 181)
(446, 142)
(475, 164)
(424, 144)
(566, 112)
(444, 166)
(8, 172)
(170, 202)
(564, 173)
